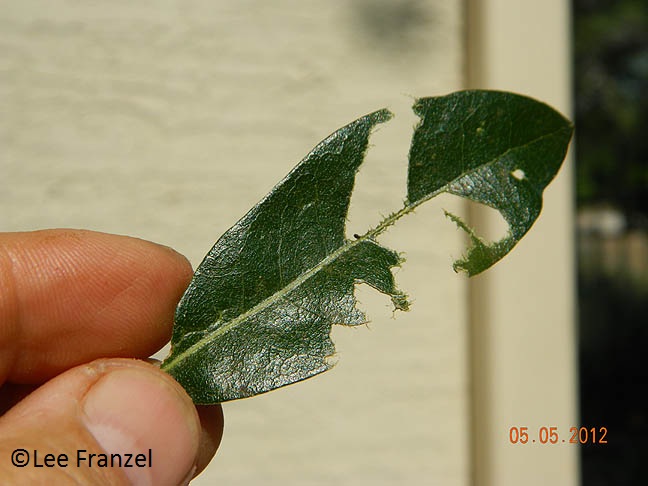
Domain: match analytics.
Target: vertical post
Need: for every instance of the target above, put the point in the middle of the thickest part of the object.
(522, 310)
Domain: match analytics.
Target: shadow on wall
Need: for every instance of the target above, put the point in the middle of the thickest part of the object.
(393, 26)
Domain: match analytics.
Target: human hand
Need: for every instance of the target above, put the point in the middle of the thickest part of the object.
(73, 304)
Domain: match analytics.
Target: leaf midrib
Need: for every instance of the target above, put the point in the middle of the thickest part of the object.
(348, 245)
(265, 303)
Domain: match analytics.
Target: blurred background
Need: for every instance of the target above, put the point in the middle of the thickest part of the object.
(611, 115)
(167, 120)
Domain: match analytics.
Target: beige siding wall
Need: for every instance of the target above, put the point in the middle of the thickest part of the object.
(523, 332)
(168, 120)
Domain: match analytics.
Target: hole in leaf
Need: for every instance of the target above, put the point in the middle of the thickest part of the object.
(518, 174)
(488, 223)
(380, 184)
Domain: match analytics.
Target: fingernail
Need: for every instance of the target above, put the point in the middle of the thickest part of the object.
(136, 410)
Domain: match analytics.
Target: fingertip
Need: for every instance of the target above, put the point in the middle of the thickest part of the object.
(77, 295)
(212, 423)
(101, 415)
(136, 407)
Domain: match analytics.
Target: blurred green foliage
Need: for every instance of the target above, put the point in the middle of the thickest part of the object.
(611, 94)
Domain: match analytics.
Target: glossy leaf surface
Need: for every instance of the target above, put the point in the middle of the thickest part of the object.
(496, 148)
(259, 310)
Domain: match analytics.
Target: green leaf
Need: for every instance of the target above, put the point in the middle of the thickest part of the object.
(259, 310)
(495, 148)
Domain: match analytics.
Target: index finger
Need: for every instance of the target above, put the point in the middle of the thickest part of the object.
(70, 296)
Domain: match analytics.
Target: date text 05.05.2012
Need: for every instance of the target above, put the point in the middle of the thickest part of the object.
(552, 435)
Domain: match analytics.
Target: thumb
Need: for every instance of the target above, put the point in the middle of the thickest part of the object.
(137, 421)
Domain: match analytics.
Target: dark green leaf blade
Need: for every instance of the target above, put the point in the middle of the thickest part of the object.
(495, 148)
(259, 310)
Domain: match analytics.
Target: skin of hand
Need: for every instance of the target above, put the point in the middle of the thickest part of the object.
(79, 310)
